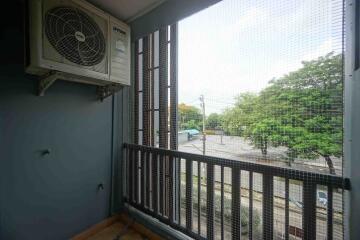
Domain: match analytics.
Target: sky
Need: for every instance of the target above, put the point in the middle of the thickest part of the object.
(237, 46)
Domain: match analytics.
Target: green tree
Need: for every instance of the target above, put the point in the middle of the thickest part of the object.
(191, 124)
(189, 117)
(309, 105)
(213, 121)
(301, 111)
(236, 120)
(261, 134)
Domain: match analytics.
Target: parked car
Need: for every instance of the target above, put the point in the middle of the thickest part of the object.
(322, 197)
(192, 133)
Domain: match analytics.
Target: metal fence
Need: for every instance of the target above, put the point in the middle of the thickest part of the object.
(154, 185)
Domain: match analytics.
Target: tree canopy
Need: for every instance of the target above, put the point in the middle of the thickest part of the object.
(189, 117)
(214, 121)
(301, 111)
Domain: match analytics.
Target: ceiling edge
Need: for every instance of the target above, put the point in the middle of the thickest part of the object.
(144, 11)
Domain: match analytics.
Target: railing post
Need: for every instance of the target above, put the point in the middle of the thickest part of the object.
(149, 159)
(171, 189)
(210, 201)
(222, 203)
(178, 170)
(330, 213)
(188, 194)
(236, 203)
(251, 205)
(155, 183)
(128, 174)
(199, 196)
(287, 220)
(136, 175)
(142, 178)
(161, 184)
(268, 206)
(309, 210)
(131, 175)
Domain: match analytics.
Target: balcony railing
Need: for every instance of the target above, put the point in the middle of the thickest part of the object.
(166, 185)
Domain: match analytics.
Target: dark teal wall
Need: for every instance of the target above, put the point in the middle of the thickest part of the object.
(53, 196)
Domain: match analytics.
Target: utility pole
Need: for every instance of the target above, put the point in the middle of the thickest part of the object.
(202, 104)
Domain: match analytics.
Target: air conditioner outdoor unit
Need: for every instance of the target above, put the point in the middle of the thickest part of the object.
(73, 40)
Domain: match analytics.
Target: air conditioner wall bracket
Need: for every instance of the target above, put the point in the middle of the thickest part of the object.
(108, 90)
(46, 81)
(102, 91)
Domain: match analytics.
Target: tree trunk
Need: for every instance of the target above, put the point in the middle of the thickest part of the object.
(264, 152)
(289, 162)
(330, 164)
(263, 148)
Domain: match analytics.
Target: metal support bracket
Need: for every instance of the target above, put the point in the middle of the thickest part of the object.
(108, 90)
(45, 82)
(102, 91)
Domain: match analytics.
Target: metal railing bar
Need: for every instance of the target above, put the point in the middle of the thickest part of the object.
(286, 209)
(148, 177)
(161, 184)
(171, 189)
(146, 191)
(136, 175)
(236, 203)
(199, 196)
(250, 205)
(309, 210)
(130, 174)
(330, 213)
(189, 185)
(142, 178)
(319, 178)
(179, 190)
(210, 201)
(155, 183)
(222, 203)
(268, 206)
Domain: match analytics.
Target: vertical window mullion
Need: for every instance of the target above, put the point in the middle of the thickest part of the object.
(173, 87)
(146, 91)
(163, 93)
(136, 99)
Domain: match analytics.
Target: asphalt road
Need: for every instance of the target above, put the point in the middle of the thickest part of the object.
(236, 148)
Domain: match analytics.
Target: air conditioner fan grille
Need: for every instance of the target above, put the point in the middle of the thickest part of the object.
(75, 35)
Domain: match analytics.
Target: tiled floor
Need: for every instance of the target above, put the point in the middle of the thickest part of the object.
(118, 231)
(117, 228)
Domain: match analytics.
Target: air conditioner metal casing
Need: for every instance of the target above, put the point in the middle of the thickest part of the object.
(44, 59)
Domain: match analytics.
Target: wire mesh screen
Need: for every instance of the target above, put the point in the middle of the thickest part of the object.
(156, 89)
(250, 93)
(262, 82)
(270, 75)
(153, 177)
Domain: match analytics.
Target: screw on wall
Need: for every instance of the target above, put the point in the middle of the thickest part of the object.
(45, 152)
(100, 186)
